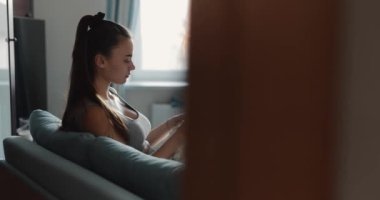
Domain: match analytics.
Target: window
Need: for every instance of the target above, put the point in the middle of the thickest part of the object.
(161, 40)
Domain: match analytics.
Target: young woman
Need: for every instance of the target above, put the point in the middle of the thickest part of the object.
(103, 55)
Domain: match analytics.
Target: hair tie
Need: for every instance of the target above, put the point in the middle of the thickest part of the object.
(96, 20)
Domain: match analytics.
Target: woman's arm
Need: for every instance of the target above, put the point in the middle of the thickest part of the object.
(96, 122)
(170, 147)
(163, 129)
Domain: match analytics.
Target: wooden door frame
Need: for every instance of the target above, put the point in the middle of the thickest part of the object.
(261, 100)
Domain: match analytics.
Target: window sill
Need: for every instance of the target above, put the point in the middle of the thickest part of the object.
(155, 84)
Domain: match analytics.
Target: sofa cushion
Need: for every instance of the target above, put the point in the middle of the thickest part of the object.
(149, 177)
(74, 146)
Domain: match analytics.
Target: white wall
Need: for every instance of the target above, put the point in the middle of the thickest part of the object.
(5, 105)
(5, 113)
(142, 98)
(61, 18)
(359, 163)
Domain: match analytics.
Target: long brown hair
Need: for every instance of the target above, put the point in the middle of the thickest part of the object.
(94, 35)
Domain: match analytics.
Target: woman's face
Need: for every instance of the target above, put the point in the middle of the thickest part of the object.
(118, 66)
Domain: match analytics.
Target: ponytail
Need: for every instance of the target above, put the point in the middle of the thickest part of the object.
(94, 35)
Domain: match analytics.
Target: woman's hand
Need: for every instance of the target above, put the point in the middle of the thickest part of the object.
(165, 128)
(175, 121)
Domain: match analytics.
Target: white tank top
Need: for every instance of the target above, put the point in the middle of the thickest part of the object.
(138, 129)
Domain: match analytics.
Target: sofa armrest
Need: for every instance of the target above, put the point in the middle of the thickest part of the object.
(32, 190)
(58, 176)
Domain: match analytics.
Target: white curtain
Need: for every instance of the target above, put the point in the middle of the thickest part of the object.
(124, 12)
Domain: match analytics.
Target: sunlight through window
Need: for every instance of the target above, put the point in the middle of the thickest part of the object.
(161, 37)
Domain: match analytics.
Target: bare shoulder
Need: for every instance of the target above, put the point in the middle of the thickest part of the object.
(95, 120)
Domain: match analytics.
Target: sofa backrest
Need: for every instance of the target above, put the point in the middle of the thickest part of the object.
(147, 176)
(44, 128)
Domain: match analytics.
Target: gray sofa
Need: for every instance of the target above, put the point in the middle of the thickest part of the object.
(73, 165)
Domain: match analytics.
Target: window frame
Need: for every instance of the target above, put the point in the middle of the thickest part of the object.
(149, 75)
